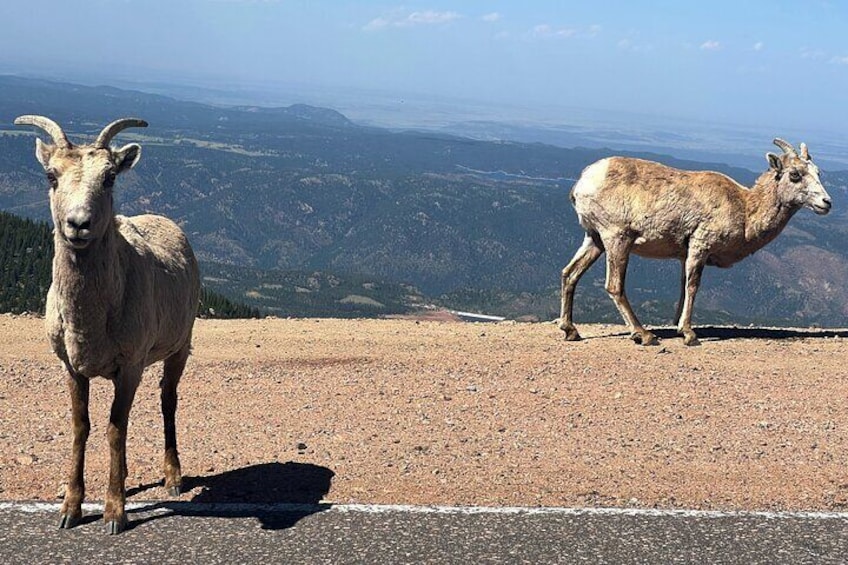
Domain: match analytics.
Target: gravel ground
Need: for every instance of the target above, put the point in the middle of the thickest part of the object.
(429, 412)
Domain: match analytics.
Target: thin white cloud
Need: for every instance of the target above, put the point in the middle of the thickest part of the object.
(547, 31)
(812, 53)
(758, 46)
(376, 23)
(840, 60)
(401, 19)
(628, 44)
(710, 45)
(493, 17)
(431, 17)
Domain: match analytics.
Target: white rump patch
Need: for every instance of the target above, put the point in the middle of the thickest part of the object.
(592, 178)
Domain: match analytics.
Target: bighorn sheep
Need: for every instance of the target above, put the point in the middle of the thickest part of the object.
(124, 295)
(700, 218)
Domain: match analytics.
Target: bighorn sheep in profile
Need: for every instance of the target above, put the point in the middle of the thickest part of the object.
(124, 295)
(700, 218)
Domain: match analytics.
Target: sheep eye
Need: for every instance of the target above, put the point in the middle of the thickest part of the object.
(52, 179)
(109, 181)
(794, 176)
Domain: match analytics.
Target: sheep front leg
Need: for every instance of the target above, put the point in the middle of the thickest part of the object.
(173, 370)
(694, 268)
(71, 511)
(618, 255)
(126, 382)
(682, 296)
(583, 259)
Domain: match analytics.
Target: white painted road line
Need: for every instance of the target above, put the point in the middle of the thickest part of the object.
(244, 508)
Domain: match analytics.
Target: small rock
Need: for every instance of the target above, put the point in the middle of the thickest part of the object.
(26, 460)
(301, 446)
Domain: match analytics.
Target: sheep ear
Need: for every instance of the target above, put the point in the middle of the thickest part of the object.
(127, 156)
(775, 162)
(43, 152)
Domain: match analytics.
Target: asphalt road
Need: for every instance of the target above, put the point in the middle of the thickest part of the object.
(206, 533)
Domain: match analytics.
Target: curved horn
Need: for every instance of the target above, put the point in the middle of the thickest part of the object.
(785, 145)
(48, 125)
(805, 153)
(112, 130)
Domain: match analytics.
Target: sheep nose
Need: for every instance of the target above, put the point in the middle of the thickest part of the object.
(78, 219)
(827, 201)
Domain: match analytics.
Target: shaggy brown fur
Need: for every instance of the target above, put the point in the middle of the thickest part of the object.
(124, 295)
(699, 218)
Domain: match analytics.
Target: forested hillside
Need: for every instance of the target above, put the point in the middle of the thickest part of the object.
(26, 252)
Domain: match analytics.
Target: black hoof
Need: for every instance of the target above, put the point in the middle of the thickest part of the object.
(116, 526)
(66, 521)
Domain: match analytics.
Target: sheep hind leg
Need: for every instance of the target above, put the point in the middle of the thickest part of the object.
(173, 371)
(584, 258)
(618, 255)
(126, 383)
(71, 512)
(694, 268)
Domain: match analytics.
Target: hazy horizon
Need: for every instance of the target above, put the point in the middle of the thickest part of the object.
(749, 62)
(735, 144)
(725, 76)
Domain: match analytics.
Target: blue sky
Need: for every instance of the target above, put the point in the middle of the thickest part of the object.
(748, 62)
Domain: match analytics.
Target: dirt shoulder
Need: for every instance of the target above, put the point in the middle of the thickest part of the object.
(399, 411)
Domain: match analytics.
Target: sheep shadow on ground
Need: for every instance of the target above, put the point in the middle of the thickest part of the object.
(276, 494)
(721, 333)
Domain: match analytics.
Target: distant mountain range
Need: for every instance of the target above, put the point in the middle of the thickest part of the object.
(461, 222)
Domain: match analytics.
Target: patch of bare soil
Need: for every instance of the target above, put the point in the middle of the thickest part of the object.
(399, 411)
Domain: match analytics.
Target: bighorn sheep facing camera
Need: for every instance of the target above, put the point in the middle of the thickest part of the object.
(699, 218)
(124, 295)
